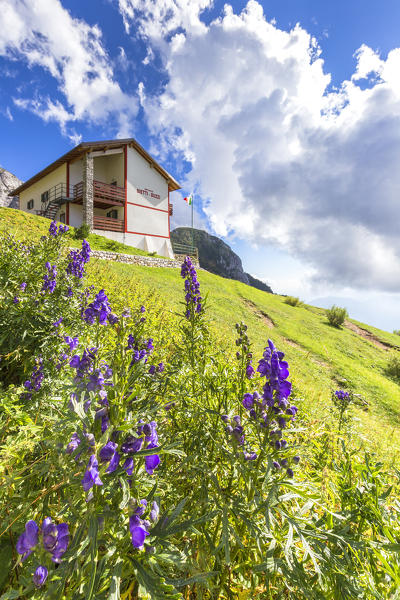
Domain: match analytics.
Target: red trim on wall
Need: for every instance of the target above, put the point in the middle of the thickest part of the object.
(150, 207)
(126, 189)
(169, 230)
(67, 208)
(150, 234)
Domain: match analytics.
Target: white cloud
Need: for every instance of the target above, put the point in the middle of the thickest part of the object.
(6, 112)
(44, 34)
(158, 18)
(276, 156)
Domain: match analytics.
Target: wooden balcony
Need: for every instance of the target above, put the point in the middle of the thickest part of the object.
(108, 224)
(105, 195)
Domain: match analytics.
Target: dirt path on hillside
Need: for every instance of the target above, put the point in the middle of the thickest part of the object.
(269, 322)
(367, 335)
(259, 313)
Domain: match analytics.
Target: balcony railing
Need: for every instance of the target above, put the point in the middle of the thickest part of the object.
(108, 224)
(103, 193)
(58, 193)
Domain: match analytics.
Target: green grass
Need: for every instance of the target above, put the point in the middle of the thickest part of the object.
(322, 358)
(32, 227)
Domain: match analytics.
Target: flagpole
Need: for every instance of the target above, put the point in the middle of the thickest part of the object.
(192, 221)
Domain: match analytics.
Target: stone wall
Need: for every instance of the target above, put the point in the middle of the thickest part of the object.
(88, 190)
(144, 261)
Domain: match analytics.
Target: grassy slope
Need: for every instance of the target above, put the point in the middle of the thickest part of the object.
(29, 226)
(321, 358)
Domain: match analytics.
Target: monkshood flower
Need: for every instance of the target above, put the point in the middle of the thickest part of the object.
(192, 288)
(138, 531)
(40, 576)
(155, 511)
(55, 539)
(272, 412)
(91, 476)
(15, 300)
(28, 540)
(244, 353)
(84, 364)
(159, 368)
(113, 319)
(57, 323)
(141, 348)
(53, 232)
(109, 454)
(139, 528)
(98, 309)
(342, 395)
(35, 382)
(75, 442)
(72, 342)
(22, 286)
(53, 229)
(234, 429)
(50, 278)
(78, 260)
(153, 460)
(147, 436)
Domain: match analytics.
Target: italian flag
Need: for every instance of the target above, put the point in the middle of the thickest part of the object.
(189, 199)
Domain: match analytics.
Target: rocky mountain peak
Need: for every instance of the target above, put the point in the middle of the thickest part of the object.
(216, 256)
(8, 182)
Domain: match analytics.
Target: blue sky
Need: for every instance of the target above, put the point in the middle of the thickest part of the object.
(288, 134)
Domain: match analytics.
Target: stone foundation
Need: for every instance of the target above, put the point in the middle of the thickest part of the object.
(136, 259)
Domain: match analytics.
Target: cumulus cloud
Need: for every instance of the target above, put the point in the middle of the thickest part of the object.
(44, 34)
(277, 155)
(159, 18)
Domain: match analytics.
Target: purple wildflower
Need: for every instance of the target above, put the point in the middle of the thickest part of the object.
(28, 540)
(192, 288)
(98, 309)
(72, 342)
(50, 278)
(55, 538)
(35, 382)
(155, 510)
(138, 531)
(78, 260)
(40, 576)
(91, 476)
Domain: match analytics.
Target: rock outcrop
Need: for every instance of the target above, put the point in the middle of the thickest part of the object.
(216, 256)
(8, 182)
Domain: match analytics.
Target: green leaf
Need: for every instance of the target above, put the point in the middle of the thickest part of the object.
(125, 492)
(12, 594)
(93, 529)
(200, 577)
(115, 581)
(155, 585)
(225, 536)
